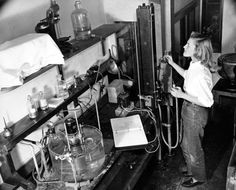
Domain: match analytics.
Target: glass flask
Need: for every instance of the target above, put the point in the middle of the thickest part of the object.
(80, 22)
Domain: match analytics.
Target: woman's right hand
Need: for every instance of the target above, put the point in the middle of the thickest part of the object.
(169, 59)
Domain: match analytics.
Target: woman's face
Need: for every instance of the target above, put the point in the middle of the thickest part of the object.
(189, 48)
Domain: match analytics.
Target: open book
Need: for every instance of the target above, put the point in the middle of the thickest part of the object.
(128, 131)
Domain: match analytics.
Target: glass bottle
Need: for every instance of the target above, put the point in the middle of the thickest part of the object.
(55, 7)
(35, 99)
(80, 22)
(62, 91)
(42, 101)
(59, 87)
(31, 106)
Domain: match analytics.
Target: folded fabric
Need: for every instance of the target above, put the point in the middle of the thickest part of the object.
(25, 55)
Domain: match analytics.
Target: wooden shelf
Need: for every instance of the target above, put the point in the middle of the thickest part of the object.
(25, 126)
(99, 33)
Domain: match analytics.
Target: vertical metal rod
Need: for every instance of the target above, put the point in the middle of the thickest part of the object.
(153, 46)
(35, 161)
(44, 160)
(79, 128)
(169, 128)
(177, 120)
(98, 119)
(200, 16)
(137, 61)
(67, 139)
(234, 125)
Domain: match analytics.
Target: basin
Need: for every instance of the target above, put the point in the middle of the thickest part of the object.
(228, 63)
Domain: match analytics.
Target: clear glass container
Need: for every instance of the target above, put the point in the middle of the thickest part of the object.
(84, 161)
(80, 22)
(42, 101)
(62, 90)
(32, 108)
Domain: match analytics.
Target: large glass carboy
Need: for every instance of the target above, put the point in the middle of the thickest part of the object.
(80, 22)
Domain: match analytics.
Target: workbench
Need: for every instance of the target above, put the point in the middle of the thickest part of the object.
(225, 95)
(128, 163)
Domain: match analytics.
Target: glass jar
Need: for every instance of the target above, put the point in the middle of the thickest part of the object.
(80, 22)
(32, 108)
(62, 90)
(42, 101)
(72, 131)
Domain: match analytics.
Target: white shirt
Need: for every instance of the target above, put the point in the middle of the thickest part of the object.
(198, 83)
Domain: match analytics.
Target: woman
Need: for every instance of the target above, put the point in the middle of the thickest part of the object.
(198, 98)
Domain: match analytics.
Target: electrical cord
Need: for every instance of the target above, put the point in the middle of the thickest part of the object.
(124, 75)
(168, 125)
(177, 126)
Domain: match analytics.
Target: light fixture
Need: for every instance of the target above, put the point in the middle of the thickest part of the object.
(112, 67)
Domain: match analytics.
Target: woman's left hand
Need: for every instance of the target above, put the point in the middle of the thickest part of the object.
(176, 92)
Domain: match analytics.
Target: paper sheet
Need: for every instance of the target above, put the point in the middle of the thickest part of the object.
(128, 131)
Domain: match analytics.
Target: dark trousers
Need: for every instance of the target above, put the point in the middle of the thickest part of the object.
(194, 120)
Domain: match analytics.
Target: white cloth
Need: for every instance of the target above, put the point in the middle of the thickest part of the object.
(198, 83)
(25, 55)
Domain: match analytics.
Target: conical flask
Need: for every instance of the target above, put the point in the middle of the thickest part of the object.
(80, 22)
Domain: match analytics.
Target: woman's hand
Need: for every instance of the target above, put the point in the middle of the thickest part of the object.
(176, 92)
(169, 59)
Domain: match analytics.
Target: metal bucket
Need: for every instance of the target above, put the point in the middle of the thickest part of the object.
(228, 63)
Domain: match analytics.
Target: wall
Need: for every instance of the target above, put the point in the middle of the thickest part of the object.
(229, 26)
(19, 17)
(121, 10)
(179, 4)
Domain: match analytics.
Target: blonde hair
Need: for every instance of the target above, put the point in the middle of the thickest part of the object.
(204, 49)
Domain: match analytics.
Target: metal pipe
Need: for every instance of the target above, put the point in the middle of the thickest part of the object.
(169, 129)
(137, 61)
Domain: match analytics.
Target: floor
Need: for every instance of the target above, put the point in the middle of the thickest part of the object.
(166, 175)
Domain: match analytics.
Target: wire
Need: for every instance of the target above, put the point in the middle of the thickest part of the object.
(168, 125)
(123, 74)
(33, 155)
